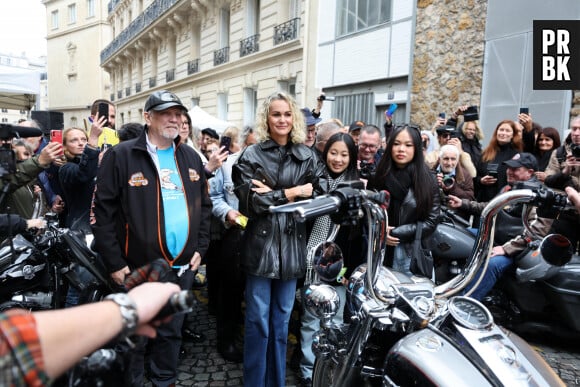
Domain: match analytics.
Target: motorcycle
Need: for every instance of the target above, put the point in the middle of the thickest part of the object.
(536, 299)
(542, 296)
(35, 272)
(407, 330)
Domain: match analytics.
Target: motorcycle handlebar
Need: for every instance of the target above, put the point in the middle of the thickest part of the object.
(341, 199)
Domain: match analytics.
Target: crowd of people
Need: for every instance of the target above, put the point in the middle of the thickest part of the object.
(167, 189)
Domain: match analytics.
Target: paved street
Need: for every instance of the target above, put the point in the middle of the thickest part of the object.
(204, 367)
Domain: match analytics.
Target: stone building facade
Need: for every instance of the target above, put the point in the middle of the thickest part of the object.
(224, 56)
(448, 58)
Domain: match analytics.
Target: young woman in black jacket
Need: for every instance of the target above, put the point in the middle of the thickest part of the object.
(414, 194)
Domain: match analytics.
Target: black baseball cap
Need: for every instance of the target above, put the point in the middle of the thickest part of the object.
(162, 100)
(210, 132)
(356, 125)
(445, 129)
(524, 159)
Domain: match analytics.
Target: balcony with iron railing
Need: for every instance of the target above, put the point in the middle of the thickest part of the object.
(137, 26)
(221, 56)
(169, 75)
(249, 45)
(286, 32)
(193, 66)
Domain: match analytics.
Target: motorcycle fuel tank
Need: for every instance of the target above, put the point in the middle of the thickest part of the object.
(451, 242)
(428, 358)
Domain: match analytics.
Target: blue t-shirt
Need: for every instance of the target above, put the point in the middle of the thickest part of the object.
(174, 203)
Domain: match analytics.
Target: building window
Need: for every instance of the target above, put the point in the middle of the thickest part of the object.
(222, 106)
(72, 13)
(250, 106)
(54, 19)
(90, 8)
(357, 15)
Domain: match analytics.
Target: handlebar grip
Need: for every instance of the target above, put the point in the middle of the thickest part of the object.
(322, 205)
(180, 302)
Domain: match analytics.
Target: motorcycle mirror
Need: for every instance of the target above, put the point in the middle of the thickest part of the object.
(328, 262)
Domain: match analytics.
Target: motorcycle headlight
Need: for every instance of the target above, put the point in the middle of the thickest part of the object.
(321, 300)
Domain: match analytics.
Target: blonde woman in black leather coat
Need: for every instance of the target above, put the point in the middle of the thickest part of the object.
(277, 170)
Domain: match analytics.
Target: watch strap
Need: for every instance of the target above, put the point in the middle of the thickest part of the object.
(128, 310)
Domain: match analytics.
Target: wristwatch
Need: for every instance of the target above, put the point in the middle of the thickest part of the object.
(128, 310)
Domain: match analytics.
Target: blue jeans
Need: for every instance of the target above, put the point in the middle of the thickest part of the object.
(401, 260)
(310, 324)
(269, 305)
(496, 267)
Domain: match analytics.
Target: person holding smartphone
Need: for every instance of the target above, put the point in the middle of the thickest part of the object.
(491, 176)
(96, 113)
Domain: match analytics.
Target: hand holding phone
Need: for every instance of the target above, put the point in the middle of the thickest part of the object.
(524, 110)
(103, 112)
(389, 113)
(56, 136)
(226, 142)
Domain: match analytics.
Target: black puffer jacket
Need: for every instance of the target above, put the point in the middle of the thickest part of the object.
(275, 245)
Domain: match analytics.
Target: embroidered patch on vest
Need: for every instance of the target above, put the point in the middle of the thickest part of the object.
(193, 175)
(137, 180)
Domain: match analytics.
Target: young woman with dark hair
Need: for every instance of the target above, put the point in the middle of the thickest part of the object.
(548, 140)
(414, 194)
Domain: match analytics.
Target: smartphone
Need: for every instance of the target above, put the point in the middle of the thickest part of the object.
(226, 142)
(56, 136)
(524, 110)
(104, 111)
(392, 109)
(442, 115)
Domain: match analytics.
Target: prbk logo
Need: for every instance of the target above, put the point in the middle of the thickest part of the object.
(556, 54)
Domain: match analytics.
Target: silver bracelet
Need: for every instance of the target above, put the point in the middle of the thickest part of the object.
(128, 310)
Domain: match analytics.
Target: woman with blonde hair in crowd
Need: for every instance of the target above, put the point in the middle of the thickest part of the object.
(471, 137)
(277, 170)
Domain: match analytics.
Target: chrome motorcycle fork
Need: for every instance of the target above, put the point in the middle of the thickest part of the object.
(347, 359)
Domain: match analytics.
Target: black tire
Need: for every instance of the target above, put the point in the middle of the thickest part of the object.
(323, 373)
(93, 293)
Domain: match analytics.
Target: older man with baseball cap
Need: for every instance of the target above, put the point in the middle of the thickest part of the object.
(520, 168)
(152, 202)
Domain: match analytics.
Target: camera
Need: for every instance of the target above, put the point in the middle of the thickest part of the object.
(367, 170)
(575, 150)
(471, 114)
(448, 181)
(323, 97)
(492, 170)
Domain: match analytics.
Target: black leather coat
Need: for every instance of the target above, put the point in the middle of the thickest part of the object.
(275, 245)
(407, 227)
